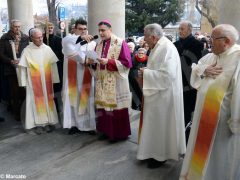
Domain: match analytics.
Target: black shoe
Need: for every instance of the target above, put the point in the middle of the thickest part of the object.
(112, 141)
(136, 107)
(17, 118)
(73, 130)
(102, 137)
(49, 128)
(31, 132)
(152, 163)
(2, 119)
(39, 130)
(9, 108)
(92, 132)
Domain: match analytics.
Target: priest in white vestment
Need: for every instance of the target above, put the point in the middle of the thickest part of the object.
(38, 72)
(161, 130)
(78, 82)
(213, 150)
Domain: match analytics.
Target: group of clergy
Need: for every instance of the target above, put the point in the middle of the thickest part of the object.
(96, 96)
(87, 85)
(213, 149)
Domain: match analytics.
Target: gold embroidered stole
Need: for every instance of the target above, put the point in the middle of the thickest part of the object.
(106, 80)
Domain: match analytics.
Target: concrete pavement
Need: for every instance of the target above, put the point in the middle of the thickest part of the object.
(59, 156)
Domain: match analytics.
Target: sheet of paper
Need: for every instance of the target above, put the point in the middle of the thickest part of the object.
(92, 55)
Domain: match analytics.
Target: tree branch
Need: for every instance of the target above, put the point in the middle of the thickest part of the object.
(206, 15)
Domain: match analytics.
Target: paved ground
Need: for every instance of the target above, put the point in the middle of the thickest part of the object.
(59, 156)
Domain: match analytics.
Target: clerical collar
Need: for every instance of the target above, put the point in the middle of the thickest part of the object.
(105, 41)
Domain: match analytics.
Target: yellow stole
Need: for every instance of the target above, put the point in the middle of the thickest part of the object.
(37, 85)
(210, 115)
(207, 128)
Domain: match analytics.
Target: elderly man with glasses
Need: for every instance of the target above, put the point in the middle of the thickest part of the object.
(213, 150)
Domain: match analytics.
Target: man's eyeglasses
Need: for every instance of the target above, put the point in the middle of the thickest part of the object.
(216, 38)
(82, 29)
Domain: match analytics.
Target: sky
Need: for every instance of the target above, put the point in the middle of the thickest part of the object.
(41, 5)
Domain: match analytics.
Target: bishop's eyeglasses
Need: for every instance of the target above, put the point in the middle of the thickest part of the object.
(217, 38)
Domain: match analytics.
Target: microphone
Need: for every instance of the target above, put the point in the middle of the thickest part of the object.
(82, 42)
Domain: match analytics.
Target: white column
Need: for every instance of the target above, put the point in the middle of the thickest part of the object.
(23, 11)
(114, 10)
(1, 28)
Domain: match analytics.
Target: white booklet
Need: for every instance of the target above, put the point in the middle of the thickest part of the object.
(92, 55)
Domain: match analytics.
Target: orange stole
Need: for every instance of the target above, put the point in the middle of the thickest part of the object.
(72, 81)
(38, 88)
(85, 91)
(49, 85)
(207, 130)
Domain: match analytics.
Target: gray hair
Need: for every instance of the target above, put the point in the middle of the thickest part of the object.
(188, 23)
(14, 20)
(142, 49)
(153, 30)
(131, 44)
(229, 31)
(33, 31)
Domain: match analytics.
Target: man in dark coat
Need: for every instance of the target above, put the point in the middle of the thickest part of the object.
(17, 94)
(1, 87)
(189, 50)
(55, 42)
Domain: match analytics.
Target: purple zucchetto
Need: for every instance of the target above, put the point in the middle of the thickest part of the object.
(105, 22)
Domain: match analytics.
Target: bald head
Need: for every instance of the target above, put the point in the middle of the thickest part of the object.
(227, 30)
(223, 37)
(131, 46)
(34, 31)
(36, 36)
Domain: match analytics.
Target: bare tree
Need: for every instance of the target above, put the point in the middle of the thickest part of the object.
(52, 11)
(204, 8)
